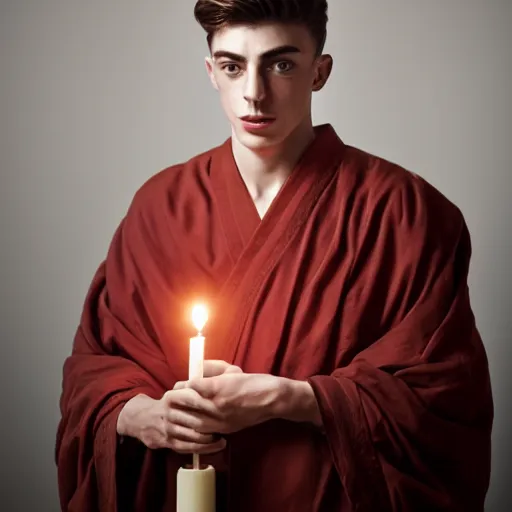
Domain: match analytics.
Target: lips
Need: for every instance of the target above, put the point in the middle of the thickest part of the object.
(257, 124)
(258, 119)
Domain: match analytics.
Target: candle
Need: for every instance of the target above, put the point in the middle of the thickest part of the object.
(196, 485)
(196, 353)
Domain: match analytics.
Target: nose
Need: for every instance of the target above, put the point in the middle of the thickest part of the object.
(254, 87)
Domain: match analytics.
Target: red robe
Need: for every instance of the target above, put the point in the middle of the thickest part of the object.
(356, 280)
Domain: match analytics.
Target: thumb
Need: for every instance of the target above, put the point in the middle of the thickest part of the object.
(213, 367)
(205, 386)
(234, 369)
(167, 397)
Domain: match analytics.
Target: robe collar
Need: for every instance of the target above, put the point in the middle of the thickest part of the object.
(240, 219)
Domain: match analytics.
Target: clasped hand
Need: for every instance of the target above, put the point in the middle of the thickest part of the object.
(192, 417)
(228, 402)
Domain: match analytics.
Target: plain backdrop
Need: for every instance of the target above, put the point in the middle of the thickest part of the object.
(95, 97)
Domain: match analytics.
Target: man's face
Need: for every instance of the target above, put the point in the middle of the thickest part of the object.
(265, 75)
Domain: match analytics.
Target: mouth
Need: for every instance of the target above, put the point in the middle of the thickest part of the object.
(260, 121)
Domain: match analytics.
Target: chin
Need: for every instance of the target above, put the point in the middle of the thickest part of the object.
(258, 141)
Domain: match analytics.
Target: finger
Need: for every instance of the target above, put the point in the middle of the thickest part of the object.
(193, 420)
(189, 435)
(185, 419)
(214, 367)
(166, 396)
(197, 396)
(190, 448)
(189, 398)
(206, 387)
(186, 447)
(203, 388)
(234, 369)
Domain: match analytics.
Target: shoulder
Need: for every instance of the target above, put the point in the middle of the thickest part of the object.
(399, 198)
(159, 193)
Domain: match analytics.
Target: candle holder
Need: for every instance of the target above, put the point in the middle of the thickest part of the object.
(196, 489)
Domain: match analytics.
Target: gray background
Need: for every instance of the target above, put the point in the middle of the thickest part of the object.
(97, 96)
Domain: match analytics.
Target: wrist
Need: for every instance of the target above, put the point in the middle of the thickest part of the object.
(296, 401)
(126, 421)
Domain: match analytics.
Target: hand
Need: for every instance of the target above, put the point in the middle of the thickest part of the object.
(243, 400)
(169, 422)
(240, 400)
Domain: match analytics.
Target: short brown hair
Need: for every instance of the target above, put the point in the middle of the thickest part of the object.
(213, 15)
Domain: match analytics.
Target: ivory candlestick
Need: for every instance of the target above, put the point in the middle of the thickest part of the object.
(196, 490)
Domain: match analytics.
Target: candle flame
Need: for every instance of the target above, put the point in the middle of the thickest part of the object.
(199, 316)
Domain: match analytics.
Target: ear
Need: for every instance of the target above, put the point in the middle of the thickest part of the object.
(323, 71)
(209, 69)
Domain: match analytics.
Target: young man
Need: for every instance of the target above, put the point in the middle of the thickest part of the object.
(345, 371)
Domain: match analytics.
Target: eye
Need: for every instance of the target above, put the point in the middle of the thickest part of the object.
(283, 66)
(231, 68)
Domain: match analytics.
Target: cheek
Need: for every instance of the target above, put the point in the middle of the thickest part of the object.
(294, 90)
(296, 99)
(230, 96)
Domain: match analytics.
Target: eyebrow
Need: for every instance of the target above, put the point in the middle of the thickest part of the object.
(280, 50)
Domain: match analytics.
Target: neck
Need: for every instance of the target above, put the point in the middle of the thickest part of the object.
(265, 171)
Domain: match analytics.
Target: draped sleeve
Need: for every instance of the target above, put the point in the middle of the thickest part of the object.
(408, 419)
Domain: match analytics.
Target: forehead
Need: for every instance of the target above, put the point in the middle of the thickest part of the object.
(252, 41)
